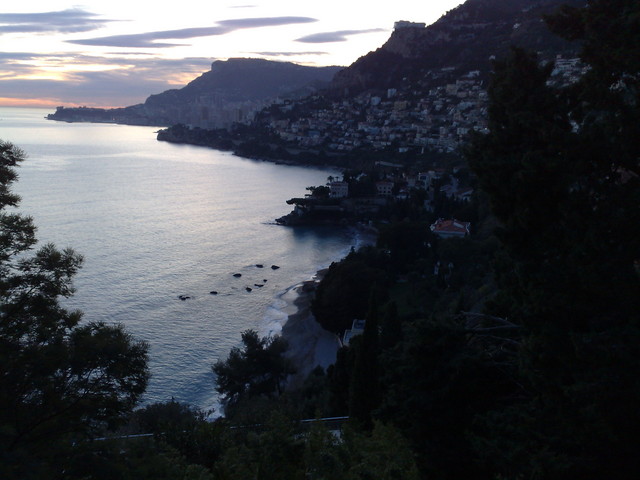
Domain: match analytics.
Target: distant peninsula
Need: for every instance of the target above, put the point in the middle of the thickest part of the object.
(233, 91)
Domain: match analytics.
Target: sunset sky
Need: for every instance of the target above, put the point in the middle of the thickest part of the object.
(117, 53)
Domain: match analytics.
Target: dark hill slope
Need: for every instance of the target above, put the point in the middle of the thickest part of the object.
(466, 38)
(249, 79)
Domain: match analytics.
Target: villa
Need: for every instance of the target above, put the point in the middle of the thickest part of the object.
(450, 228)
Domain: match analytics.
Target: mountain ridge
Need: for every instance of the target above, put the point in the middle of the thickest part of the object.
(229, 92)
(467, 37)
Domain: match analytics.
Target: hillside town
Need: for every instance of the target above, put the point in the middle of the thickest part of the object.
(437, 113)
(404, 117)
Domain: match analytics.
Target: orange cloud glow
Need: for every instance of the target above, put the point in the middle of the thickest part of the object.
(46, 103)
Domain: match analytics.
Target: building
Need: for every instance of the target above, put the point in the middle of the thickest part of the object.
(423, 180)
(406, 24)
(385, 188)
(464, 194)
(450, 228)
(357, 328)
(338, 189)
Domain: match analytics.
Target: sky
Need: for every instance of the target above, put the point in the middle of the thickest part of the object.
(114, 53)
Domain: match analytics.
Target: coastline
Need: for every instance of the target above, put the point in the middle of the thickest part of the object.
(310, 345)
(187, 337)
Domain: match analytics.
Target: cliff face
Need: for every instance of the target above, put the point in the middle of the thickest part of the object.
(467, 37)
(248, 80)
(233, 91)
(257, 79)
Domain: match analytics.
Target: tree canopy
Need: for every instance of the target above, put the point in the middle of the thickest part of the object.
(560, 166)
(258, 369)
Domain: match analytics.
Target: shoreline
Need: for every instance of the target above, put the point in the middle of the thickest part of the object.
(309, 345)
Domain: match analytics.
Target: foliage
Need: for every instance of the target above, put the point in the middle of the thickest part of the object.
(382, 455)
(313, 398)
(343, 295)
(339, 375)
(390, 326)
(183, 428)
(271, 452)
(406, 242)
(276, 451)
(560, 167)
(60, 379)
(258, 369)
(436, 384)
(132, 459)
(364, 388)
(321, 191)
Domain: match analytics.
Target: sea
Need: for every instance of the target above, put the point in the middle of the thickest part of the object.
(157, 223)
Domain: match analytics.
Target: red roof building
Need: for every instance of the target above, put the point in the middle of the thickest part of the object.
(450, 228)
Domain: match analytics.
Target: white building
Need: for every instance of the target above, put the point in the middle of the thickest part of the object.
(338, 189)
(407, 24)
(385, 188)
(357, 328)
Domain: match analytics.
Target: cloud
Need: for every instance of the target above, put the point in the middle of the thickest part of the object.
(72, 20)
(337, 36)
(131, 80)
(4, 56)
(147, 40)
(115, 59)
(22, 64)
(287, 54)
(150, 39)
(90, 88)
(264, 22)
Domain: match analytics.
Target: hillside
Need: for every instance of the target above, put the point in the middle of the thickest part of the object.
(464, 39)
(421, 93)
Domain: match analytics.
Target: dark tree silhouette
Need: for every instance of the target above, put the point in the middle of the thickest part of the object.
(60, 379)
(560, 167)
(258, 369)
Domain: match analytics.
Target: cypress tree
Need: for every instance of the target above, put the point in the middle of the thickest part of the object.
(364, 388)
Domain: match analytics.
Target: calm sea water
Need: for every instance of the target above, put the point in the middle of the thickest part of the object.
(155, 221)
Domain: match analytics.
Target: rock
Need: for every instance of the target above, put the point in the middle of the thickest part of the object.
(213, 292)
(274, 267)
(259, 265)
(237, 275)
(248, 289)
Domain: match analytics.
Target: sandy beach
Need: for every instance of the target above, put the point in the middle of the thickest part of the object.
(309, 344)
